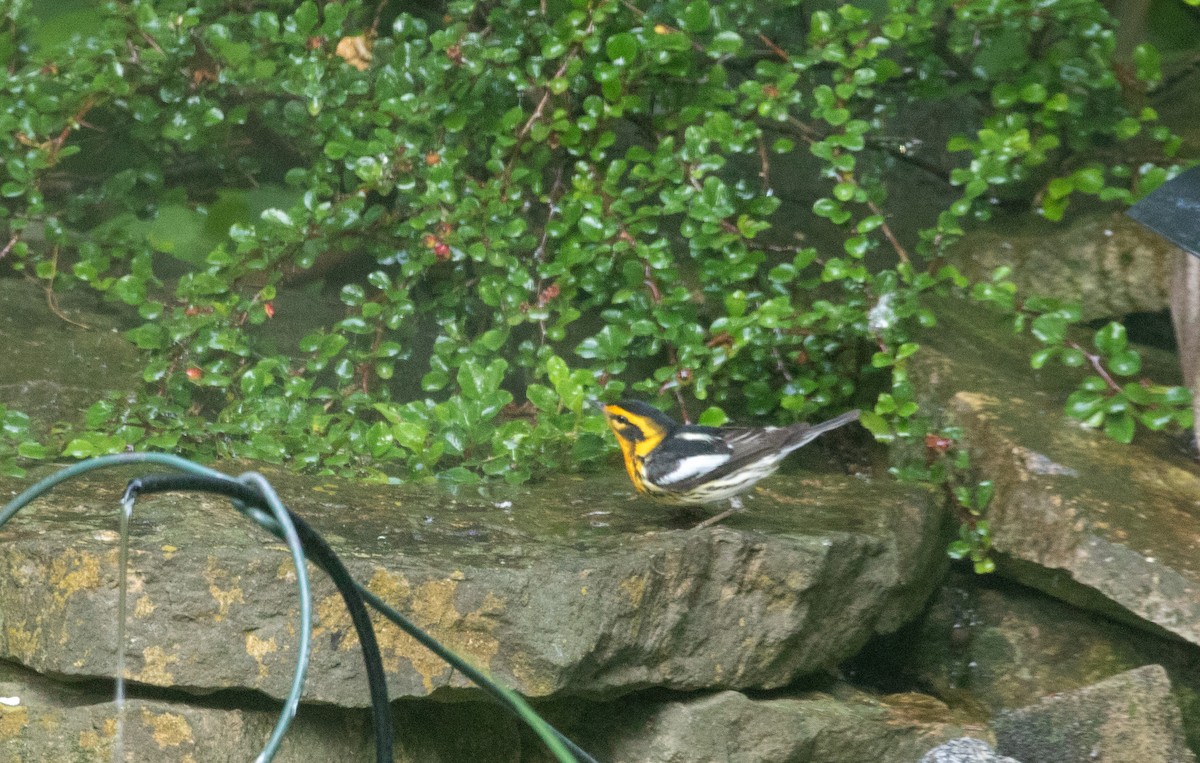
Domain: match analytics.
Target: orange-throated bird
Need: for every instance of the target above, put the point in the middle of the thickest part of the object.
(689, 465)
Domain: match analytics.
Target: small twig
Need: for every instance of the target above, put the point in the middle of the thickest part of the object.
(152, 42)
(774, 48)
(535, 116)
(651, 283)
(1096, 365)
(52, 298)
(8, 247)
(541, 107)
(674, 384)
(537, 113)
(539, 253)
(56, 143)
(764, 161)
(780, 366)
(891, 237)
(683, 411)
(134, 58)
(374, 31)
(808, 133)
(636, 10)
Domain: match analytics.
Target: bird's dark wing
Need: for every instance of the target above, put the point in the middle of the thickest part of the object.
(748, 445)
(692, 453)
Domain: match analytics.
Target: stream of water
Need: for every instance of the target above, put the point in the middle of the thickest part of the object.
(122, 592)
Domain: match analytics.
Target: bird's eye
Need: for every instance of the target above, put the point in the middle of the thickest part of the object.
(621, 420)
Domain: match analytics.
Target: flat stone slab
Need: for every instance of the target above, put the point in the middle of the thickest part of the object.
(53, 370)
(1103, 259)
(44, 721)
(1129, 718)
(1106, 526)
(567, 588)
(1001, 646)
(841, 726)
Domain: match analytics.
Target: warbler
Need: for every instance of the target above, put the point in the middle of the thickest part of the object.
(690, 465)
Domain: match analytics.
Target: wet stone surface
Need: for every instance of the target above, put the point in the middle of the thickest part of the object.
(995, 645)
(43, 720)
(1100, 258)
(52, 370)
(573, 587)
(1101, 525)
(836, 725)
(1129, 718)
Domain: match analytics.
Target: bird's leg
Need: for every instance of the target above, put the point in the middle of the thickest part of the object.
(735, 505)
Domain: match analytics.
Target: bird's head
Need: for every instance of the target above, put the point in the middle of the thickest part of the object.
(639, 427)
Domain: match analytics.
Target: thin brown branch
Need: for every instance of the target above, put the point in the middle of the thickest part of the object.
(891, 237)
(807, 132)
(541, 107)
(774, 48)
(374, 30)
(683, 411)
(152, 42)
(52, 298)
(780, 366)
(650, 282)
(535, 116)
(1097, 365)
(634, 9)
(764, 161)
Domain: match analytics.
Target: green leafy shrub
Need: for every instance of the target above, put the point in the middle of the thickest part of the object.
(523, 204)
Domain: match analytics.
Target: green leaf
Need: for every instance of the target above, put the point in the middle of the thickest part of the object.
(1177, 395)
(306, 17)
(1120, 427)
(460, 475)
(1125, 363)
(1147, 62)
(33, 450)
(476, 380)
(542, 397)
(79, 448)
(1083, 403)
(1034, 92)
(697, 16)
(410, 435)
(622, 48)
(877, 425)
(713, 416)
(1039, 358)
(726, 42)
(984, 493)
(592, 227)
(1049, 328)
(1111, 338)
(1089, 180)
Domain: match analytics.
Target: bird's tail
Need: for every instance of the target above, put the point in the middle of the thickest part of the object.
(806, 433)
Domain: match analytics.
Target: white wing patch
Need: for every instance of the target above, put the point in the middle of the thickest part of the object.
(693, 466)
(697, 437)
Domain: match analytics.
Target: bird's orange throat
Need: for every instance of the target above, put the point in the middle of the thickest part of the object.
(638, 436)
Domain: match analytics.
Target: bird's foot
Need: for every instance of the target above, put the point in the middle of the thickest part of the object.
(735, 505)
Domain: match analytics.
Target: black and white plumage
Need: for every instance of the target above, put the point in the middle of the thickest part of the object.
(686, 464)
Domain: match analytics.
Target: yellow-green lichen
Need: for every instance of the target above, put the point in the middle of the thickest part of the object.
(168, 729)
(431, 605)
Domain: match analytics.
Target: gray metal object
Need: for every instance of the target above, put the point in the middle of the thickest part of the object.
(1173, 211)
